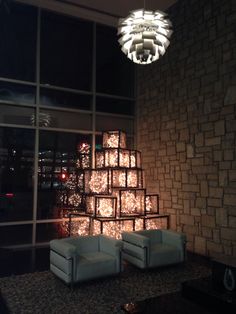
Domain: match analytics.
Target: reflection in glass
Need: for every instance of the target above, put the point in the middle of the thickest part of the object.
(115, 73)
(111, 105)
(66, 51)
(18, 42)
(17, 93)
(52, 97)
(16, 174)
(59, 177)
(11, 114)
(13, 235)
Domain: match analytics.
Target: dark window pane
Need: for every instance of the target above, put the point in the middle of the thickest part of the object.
(108, 123)
(66, 51)
(16, 114)
(115, 73)
(50, 231)
(18, 42)
(13, 235)
(111, 105)
(65, 120)
(58, 161)
(51, 97)
(17, 93)
(16, 174)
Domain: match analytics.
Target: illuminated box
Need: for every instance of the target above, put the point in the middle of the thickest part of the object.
(77, 224)
(105, 206)
(114, 139)
(112, 227)
(126, 178)
(132, 202)
(152, 222)
(83, 161)
(117, 157)
(96, 181)
(151, 204)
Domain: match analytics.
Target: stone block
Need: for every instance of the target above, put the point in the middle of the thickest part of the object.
(207, 232)
(216, 192)
(190, 151)
(187, 220)
(195, 212)
(171, 150)
(230, 199)
(200, 245)
(204, 189)
(218, 155)
(216, 235)
(208, 221)
(223, 177)
(201, 202)
(180, 147)
(230, 97)
(232, 222)
(214, 202)
(228, 234)
(232, 175)
(184, 135)
(213, 141)
(165, 136)
(190, 187)
(222, 217)
(213, 247)
(204, 169)
(199, 139)
(228, 154)
(219, 128)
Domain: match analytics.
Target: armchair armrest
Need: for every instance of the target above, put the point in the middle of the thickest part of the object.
(136, 239)
(174, 238)
(63, 248)
(109, 245)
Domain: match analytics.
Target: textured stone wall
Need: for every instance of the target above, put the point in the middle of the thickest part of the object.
(186, 125)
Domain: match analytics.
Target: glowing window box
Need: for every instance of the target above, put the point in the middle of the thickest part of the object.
(114, 139)
(96, 181)
(112, 227)
(126, 178)
(151, 204)
(132, 202)
(105, 206)
(117, 157)
(84, 148)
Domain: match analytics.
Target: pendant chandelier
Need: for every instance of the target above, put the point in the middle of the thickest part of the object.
(144, 35)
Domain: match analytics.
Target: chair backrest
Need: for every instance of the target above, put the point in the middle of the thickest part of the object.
(154, 235)
(86, 244)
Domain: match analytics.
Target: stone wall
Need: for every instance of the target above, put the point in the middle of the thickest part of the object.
(186, 118)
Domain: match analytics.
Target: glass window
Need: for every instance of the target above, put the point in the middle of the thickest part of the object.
(16, 115)
(14, 235)
(16, 174)
(61, 158)
(65, 120)
(66, 51)
(115, 72)
(49, 231)
(111, 105)
(108, 123)
(18, 42)
(17, 93)
(52, 97)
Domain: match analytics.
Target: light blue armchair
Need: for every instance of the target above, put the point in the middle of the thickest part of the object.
(152, 248)
(78, 259)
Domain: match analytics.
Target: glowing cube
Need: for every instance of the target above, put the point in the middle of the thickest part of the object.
(96, 181)
(105, 206)
(132, 202)
(114, 139)
(151, 204)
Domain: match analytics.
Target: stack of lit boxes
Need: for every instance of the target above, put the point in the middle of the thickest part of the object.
(113, 194)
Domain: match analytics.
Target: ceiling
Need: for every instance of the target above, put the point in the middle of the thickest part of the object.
(121, 8)
(101, 11)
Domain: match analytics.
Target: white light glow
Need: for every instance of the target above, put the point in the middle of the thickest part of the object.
(144, 35)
